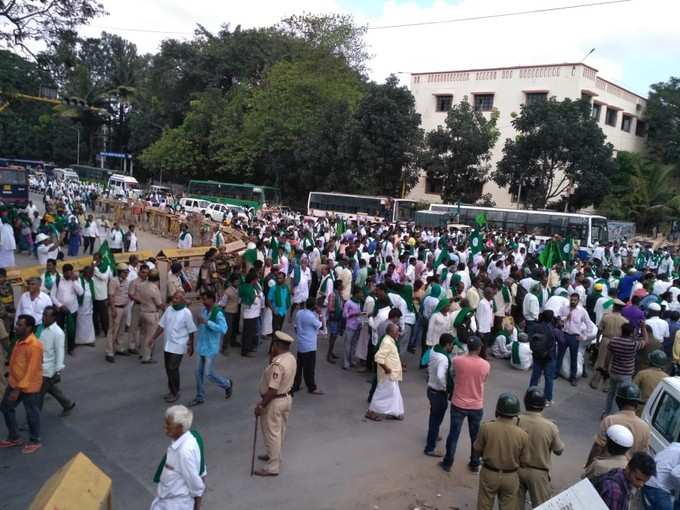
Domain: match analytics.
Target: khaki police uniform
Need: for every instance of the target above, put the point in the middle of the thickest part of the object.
(503, 448)
(544, 440)
(647, 381)
(135, 320)
(638, 427)
(149, 296)
(602, 465)
(279, 375)
(118, 301)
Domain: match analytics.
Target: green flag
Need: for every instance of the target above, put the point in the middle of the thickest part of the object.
(567, 249)
(480, 219)
(340, 227)
(107, 258)
(476, 242)
(550, 254)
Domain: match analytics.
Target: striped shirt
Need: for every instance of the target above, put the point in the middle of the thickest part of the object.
(623, 355)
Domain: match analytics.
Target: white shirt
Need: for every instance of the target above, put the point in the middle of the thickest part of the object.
(525, 357)
(177, 326)
(530, 307)
(116, 240)
(253, 311)
(659, 327)
(180, 480)
(92, 230)
(437, 326)
(134, 244)
(66, 294)
(556, 303)
(187, 242)
(667, 469)
(101, 283)
(484, 316)
(32, 307)
(53, 340)
(436, 371)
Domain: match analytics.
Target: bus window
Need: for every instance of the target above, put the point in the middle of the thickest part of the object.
(578, 229)
(515, 221)
(599, 231)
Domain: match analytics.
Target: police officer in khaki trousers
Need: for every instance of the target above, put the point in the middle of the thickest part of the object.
(544, 439)
(274, 408)
(118, 302)
(502, 445)
(150, 304)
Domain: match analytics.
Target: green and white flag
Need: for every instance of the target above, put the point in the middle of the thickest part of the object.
(476, 242)
(107, 258)
(567, 249)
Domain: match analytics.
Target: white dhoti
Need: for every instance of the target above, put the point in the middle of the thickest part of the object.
(84, 321)
(267, 328)
(361, 350)
(176, 503)
(387, 399)
(7, 258)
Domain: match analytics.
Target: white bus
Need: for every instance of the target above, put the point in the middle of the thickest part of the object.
(65, 175)
(353, 207)
(587, 228)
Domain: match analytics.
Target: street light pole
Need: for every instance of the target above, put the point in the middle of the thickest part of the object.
(78, 146)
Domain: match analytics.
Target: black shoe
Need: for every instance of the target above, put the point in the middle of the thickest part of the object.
(445, 467)
(573, 382)
(195, 402)
(68, 410)
(110, 359)
(133, 351)
(263, 458)
(228, 391)
(473, 468)
(122, 353)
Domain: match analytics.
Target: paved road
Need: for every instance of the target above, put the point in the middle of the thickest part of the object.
(333, 457)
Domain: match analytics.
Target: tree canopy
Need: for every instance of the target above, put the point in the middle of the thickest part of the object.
(663, 114)
(558, 149)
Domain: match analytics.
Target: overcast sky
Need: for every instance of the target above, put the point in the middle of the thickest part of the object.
(636, 43)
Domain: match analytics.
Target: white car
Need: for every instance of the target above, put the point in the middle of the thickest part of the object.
(194, 205)
(662, 414)
(220, 212)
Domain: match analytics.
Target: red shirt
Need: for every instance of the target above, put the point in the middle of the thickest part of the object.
(470, 374)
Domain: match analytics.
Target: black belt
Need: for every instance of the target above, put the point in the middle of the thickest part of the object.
(120, 306)
(499, 470)
(436, 391)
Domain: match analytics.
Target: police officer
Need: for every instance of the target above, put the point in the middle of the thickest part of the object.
(274, 408)
(544, 439)
(628, 399)
(648, 378)
(503, 448)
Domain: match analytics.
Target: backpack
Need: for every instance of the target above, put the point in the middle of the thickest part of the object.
(519, 298)
(540, 346)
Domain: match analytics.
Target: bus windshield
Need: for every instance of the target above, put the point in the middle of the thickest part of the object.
(600, 231)
(10, 176)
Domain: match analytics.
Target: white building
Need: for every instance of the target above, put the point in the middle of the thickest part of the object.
(617, 110)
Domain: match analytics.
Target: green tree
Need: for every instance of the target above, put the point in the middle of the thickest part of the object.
(387, 139)
(458, 153)
(558, 148)
(663, 114)
(22, 21)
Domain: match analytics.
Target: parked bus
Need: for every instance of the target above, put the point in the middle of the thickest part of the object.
(376, 209)
(29, 164)
(587, 228)
(14, 186)
(247, 195)
(93, 173)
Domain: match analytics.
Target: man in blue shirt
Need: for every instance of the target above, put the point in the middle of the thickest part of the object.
(212, 326)
(307, 324)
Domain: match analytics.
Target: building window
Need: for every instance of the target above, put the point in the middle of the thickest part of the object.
(536, 97)
(443, 102)
(610, 118)
(597, 109)
(483, 102)
(433, 186)
(626, 123)
(641, 128)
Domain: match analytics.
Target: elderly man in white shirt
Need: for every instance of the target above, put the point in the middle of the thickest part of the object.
(185, 240)
(116, 238)
(180, 475)
(64, 295)
(33, 302)
(53, 340)
(178, 327)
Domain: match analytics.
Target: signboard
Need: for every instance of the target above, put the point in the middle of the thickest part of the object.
(115, 155)
(581, 496)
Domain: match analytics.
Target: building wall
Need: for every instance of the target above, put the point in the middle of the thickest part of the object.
(510, 87)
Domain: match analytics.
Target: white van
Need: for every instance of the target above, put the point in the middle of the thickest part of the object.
(123, 186)
(662, 413)
(66, 175)
(220, 212)
(194, 205)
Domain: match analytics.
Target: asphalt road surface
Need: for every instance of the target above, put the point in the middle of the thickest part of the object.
(333, 458)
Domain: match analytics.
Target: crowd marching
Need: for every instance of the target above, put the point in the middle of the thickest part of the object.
(380, 294)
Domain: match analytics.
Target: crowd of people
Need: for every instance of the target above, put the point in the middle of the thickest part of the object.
(448, 300)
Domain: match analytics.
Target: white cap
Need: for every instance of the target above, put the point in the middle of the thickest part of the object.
(654, 307)
(620, 435)
(41, 237)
